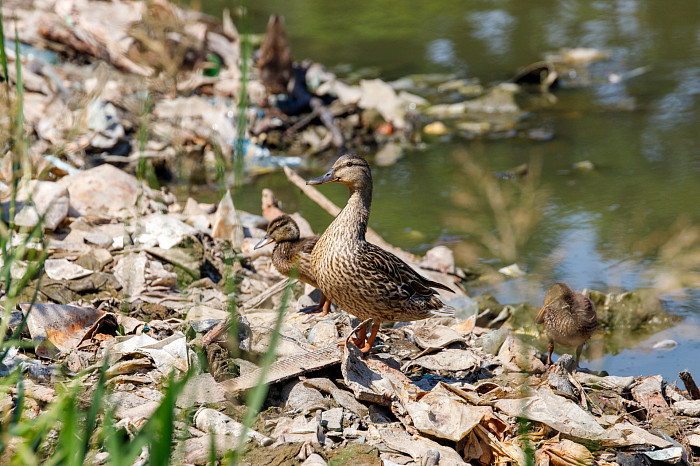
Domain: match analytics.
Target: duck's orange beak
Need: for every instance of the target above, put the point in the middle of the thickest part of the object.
(329, 177)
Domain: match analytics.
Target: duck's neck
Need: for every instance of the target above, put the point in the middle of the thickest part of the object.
(352, 220)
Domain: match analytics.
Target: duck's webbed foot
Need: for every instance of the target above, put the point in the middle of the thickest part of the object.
(322, 308)
(362, 341)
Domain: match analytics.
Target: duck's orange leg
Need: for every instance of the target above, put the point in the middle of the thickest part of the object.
(370, 341)
(362, 342)
(324, 305)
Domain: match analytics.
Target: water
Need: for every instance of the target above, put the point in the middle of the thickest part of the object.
(641, 134)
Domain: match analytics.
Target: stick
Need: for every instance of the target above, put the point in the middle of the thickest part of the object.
(328, 205)
(328, 121)
(690, 385)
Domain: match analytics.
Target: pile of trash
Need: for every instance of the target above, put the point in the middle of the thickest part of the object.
(118, 82)
(137, 279)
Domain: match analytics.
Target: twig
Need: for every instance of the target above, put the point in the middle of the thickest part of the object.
(327, 205)
(690, 385)
(328, 120)
(221, 328)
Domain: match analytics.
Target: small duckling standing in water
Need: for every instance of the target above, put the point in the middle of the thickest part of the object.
(292, 252)
(569, 318)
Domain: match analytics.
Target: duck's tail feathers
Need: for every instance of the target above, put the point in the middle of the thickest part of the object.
(445, 311)
(434, 284)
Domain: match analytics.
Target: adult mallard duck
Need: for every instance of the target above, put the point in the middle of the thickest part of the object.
(569, 318)
(292, 253)
(361, 278)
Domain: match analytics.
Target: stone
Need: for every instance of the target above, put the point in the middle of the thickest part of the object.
(333, 419)
(101, 191)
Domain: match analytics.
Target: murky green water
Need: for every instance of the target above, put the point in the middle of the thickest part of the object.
(641, 134)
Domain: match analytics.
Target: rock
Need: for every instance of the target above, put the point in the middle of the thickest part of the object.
(436, 128)
(62, 269)
(333, 419)
(323, 333)
(101, 191)
(433, 337)
(204, 318)
(584, 166)
(198, 450)
(648, 392)
(201, 389)
(439, 258)
(491, 341)
(388, 154)
(210, 420)
(342, 397)
(517, 355)
(449, 360)
(314, 460)
(50, 201)
(226, 224)
(162, 230)
(299, 397)
(687, 408)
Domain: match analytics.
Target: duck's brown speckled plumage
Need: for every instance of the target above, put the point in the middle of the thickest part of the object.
(361, 278)
(569, 318)
(293, 253)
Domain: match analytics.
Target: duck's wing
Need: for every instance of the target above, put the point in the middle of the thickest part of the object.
(585, 312)
(301, 255)
(540, 315)
(386, 267)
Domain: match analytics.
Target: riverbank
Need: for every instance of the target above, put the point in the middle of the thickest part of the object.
(130, 284)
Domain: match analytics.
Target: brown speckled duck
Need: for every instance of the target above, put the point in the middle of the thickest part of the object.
(569, 318)
(292, 252)
(361, 278)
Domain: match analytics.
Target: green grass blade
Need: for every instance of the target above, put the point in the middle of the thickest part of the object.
(91, 419)
(19, 85)
(242, 118)
(259, 392)
(3, 55)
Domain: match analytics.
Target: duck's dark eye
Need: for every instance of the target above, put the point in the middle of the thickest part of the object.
(349, 164)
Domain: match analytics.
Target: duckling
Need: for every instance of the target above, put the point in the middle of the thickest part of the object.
(569, 318)
(292, 253)
(361, 278)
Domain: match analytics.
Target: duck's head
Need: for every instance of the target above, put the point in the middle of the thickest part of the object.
(558, 293)
(351, 169)
(281, 229)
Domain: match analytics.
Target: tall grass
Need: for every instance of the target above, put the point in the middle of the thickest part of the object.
(246, 56)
